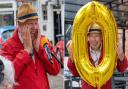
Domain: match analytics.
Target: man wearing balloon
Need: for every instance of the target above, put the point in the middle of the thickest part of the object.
(93, 51)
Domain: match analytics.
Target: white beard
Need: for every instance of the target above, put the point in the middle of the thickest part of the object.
(8, 73)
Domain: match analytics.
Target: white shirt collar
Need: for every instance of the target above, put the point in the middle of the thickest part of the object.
(95, 55)
(92, 51)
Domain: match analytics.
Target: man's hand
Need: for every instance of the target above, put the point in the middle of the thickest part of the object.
(120, 52)
(70, 50)
(36, 42)
(27, 41)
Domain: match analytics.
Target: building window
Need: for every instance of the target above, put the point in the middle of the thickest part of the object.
(44, 28)
(6, 5)
(44, 12)
(6, 18)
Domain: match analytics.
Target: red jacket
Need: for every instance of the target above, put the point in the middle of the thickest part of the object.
(29, 75)
(121, 66)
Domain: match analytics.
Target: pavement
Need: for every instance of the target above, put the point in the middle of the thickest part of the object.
(56, 82)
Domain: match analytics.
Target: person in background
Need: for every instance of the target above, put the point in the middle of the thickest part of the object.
(6, 74)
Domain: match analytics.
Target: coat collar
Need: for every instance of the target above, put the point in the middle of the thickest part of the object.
(17, 39)
(100, 58)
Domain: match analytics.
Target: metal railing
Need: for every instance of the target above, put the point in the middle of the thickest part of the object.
(119, 81)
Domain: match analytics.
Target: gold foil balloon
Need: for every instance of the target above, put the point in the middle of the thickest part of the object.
(94, 12)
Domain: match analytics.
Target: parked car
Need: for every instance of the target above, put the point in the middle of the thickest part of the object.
(5, 33)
